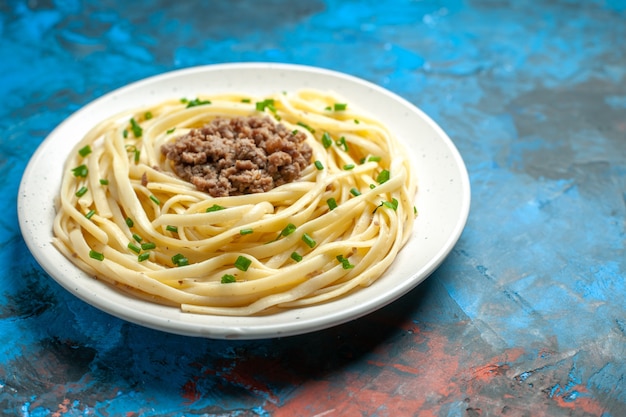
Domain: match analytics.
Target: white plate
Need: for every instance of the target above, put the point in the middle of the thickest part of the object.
(443, 198)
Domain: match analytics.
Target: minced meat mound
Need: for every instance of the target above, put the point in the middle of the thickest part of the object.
(243, 155)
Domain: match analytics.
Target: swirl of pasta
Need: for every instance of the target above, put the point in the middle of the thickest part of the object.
(126, 218)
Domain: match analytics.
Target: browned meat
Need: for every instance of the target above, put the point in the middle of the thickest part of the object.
(237, 156)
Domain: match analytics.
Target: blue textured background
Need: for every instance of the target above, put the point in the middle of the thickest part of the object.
(526, 317)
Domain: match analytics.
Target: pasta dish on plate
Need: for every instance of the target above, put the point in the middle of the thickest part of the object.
(237, 205)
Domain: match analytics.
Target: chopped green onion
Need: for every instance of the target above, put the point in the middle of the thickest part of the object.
(332, 203)
(242, 263)
(80, 171)
(246, 231)
(90, 214)
(345, 263)
(84, 151)
(326, 140)
(307, 127)
(168, 131)
(228, 279)
(374, 158)
(147, 115)
(137, 130)
(289, 229)
(133, 247)
(372, 186)
(294, 132)
(308, 240)
(296, 256)
(383, 176)
(214, 207)
(180, 260)
(341, 142)
(172, 229)
(340, 106)
(197, 102)
(104, 181)
(137, 237)
(129, 222)
(393, 204)
(356, 121)
(267, 103)
(143, 256)
(148, 245)
(348, 167)
(125, 133)
(96, 255)
(155, 200)
(319, 165)
(137, 153)
(415, 210)
(184, 100)
(355, 192)
(328, 108)
(81, 191)
(245, 100)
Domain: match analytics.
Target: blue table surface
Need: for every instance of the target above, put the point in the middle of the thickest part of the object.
(526, 317)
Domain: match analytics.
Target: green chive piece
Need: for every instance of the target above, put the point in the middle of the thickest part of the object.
(355, 192)
(90, 214)
(96, 255)
(84, 151)
(143, 256)
(341, 142)
(81, 191)
(308, 240)
(415, 210)
(137, 238)
(137, 153)
(133, 247)
(129, 222)
(242, 263)
(383, 176)
(332, 203)
(214, 207)
(393, 204)
(340, 106)
(168, 131)
(319, 165)
(326, 140)
(148, 245)
(374, 158)
(246, 100)
(155, 200)
(172, 229)
(134, 126)
(307, 127)
(228, 279)
(147, 115)
(184, 100)
(197, 102)
(289, 229)
(267, 103)
(80, 171)
(345, 263)
(180, 260)
(296, 256)
(328, 108)
(104, 181)
(348, 167)
(246, 231)
(356, 121)
(125, 133)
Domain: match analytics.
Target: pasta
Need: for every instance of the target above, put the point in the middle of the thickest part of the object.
(125, 217)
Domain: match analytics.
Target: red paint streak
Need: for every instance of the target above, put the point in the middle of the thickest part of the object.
(190, 391)
(583, 403)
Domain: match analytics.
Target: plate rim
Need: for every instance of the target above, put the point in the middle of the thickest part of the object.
(261, 330)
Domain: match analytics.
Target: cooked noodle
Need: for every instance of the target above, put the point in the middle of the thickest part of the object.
(301, 249)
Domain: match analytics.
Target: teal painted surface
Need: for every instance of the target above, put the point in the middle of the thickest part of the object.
(525, 317)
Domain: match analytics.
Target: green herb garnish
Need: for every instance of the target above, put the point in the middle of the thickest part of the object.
(242, 263)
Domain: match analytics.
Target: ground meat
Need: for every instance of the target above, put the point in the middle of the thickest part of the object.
(237, 156)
